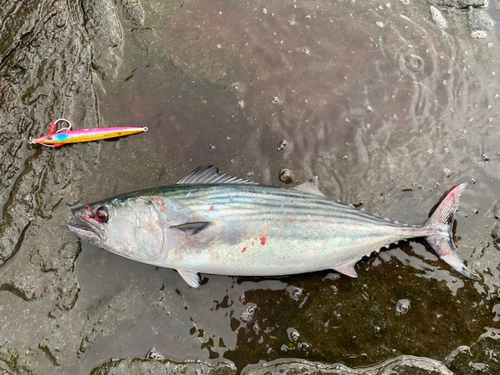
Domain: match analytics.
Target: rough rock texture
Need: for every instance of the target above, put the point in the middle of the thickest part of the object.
(43, 76)
(104, 29)
(45, 73)
(479, 20)
(146, 366)
(460, 4)
(403, 365)
(482, 357)
(462, 12)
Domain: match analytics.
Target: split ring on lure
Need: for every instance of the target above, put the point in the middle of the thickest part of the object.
(65, 135)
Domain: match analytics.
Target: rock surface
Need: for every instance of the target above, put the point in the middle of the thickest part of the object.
(388, 108)
(145, 366)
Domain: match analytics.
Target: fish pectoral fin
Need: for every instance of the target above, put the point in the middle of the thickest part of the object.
(347, 269)
(191, 277)
(310, 187)
(191, 229)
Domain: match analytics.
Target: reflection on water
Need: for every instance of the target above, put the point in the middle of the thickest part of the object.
(386, 107)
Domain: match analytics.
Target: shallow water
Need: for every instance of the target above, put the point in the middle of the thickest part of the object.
(386, 107)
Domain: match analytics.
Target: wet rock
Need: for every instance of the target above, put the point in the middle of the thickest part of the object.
(10, 361)
(460, 4)
(144, 37)
(495, 235)
(104, 30)
(106, 319)
(402, 365)
(482, 357)
(495, 230)
(41, 76)
(44, 273)
(480, 20)
(20, 287)
(154, 354)
(132, 11)
(147, 366)
(282, 145)
(18, 29)
(44, 74)
(201, 55)
(286, 176)
(52, 348)
(444, 12)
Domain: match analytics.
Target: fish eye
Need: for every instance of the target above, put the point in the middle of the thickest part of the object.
(102, 214)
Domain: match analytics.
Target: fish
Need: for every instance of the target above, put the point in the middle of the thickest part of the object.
(64, 136)
(214, 223)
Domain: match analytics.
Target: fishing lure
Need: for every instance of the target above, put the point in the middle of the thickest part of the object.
(65, 135)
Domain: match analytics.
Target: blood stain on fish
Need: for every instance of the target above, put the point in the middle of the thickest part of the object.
(263, 239)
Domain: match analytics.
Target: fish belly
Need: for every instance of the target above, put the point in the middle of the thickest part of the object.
(278, 247)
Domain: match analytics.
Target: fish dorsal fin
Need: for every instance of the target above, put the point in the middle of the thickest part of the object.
(191, 277)
(347, 269)
(209, 174)
(310, 187)
(191, 229)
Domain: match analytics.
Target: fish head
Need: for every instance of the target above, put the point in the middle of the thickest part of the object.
(127, 227)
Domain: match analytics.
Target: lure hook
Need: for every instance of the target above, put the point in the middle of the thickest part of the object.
(62, 129)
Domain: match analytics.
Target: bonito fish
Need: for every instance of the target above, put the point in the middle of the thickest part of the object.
(218, 224)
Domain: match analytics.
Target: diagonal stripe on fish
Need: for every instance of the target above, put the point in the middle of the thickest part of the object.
(214, 223)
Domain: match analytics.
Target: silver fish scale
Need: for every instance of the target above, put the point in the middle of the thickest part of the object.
(254, 201)
(215, 223)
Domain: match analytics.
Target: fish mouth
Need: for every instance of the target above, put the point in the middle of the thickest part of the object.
(86, 230)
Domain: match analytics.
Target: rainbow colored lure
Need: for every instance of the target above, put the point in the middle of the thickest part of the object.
(65, 135)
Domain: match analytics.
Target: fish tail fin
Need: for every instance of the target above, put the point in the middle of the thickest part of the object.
(441, 225)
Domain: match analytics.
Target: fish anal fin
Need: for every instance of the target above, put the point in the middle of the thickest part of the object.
(310, 187)
(209, 174)
(190, 277)
(347, 269)
(191, 229)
